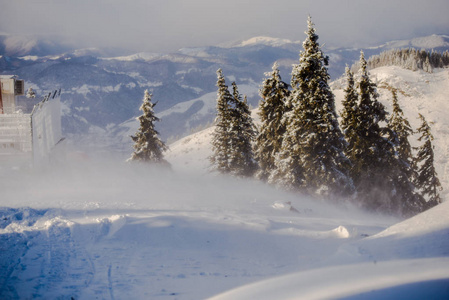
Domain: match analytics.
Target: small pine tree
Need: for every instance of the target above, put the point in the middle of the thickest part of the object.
(404, 200)
(272, 107)
(221, 140)
(148, 147)
(426, 180)
(242, 133)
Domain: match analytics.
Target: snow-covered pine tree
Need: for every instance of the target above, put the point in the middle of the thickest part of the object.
(272, 107)
(349, 114)
(148, 147)
(404, 200)
(373, 153)
(242, 133)
(311, 157)
(427, 67)
(426, 180)
(221, 147)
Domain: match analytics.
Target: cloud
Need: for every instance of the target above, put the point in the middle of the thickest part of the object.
(166, 25)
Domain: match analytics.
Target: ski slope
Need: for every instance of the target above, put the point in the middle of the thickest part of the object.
(103, 229)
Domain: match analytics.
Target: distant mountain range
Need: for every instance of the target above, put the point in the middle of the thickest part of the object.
(102, 91)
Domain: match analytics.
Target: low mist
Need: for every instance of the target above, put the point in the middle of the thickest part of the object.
(116, 185)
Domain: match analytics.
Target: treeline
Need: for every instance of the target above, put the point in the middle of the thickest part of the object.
(410, 59)
(301, 146)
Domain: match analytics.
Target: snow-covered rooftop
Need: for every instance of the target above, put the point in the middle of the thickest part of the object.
(8, 76)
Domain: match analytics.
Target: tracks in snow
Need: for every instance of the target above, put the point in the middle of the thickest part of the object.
(48, 262)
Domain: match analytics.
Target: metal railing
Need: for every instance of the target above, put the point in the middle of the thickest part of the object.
(15, 133)
(31, 135)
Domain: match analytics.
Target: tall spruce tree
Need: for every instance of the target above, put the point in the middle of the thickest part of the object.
(311, 158)
(272, 107)
(242, 133)
(372, 153)
(404, 199)
(349, 113)
(148, 147)
(427, 181)
(221, 139)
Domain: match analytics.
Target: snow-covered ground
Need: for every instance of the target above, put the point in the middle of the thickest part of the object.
(117, 231)
(103, 229)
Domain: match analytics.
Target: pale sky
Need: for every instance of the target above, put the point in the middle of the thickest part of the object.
(167, 25)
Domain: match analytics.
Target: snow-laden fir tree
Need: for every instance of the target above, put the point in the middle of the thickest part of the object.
(242, 133)
(311, 157)
(349, 118)
(148, 147)
(404, 199)
(221, 140)
(272, 107)
(372, 153)
(426, 180)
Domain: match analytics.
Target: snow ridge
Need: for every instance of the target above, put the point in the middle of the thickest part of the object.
(259, 40)
(428, 42)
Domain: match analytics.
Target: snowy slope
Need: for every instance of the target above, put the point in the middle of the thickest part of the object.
(412, 255)
(190, 154)
(405, 279)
